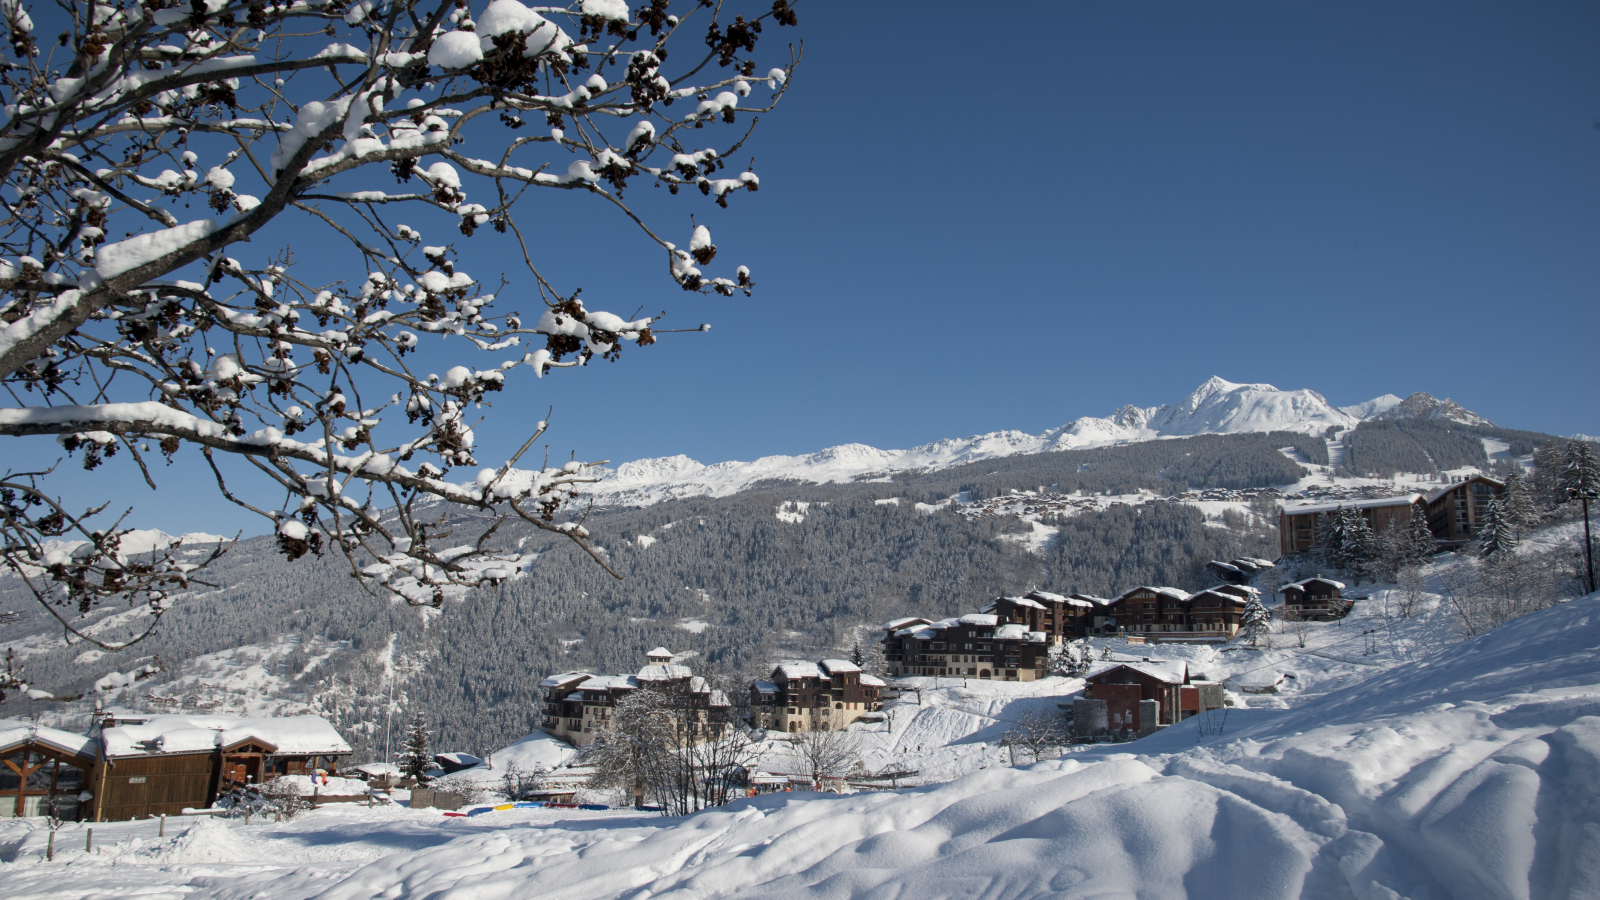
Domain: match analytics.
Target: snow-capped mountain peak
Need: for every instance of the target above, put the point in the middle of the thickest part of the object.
(1225, 407)
(1372, 407)
(1423, 405)
(1218, 406)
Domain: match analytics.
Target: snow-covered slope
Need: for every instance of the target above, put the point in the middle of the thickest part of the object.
(1470, 773)
(1215, 407)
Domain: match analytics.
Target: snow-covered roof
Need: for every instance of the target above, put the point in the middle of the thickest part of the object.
(1091, 599)
(191, 734)
(765, 687)
(663, 672)
(1037, 637)
(376, 769)
(1236, 589)
(564, 679)
(1024, 601)
(1223, 595)
(1258, 562)
(1169, 592)
(601, 683)
(1306, 581)
(926, 634)
(897, 624)
(1011, 632)
(458, 758)
(1169, 671)
(659, 651)
(1301, 510)
(872, 680)
(980, 619)
(1468, 480)
(840, 666)
(800, 670)
(16, 732)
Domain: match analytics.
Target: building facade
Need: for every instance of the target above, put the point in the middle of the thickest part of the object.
(1297, 524)
(824, 696)
(976, 645)
(578, 704)
(1315, 598)
(1456, 513)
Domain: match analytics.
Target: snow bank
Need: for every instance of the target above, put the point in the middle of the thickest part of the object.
(1439, 778)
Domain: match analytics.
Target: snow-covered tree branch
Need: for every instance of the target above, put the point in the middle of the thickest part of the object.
(153, 136)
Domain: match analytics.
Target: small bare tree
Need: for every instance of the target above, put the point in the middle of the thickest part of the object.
(1036, 732)
(519, 784)
(667, 745)
(1412, 591)
(824, 753)
(1297, 625)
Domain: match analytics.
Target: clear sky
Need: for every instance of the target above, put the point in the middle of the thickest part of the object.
(970, 222)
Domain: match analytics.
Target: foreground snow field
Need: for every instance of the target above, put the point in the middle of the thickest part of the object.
(1470, 773)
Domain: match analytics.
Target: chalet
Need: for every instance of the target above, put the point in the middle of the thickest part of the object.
(1134, 699)
(45, 769)
(1151, 610)
(1297, 523)
(1456, 512)
(976, 645)
(577, 704)
(1315, 598)
(160, 765)
(822, 696)
(1059, 618)
(1220, 610)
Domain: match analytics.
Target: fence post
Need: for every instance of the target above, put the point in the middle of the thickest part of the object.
(163, 831)
(50, 847)
(88, 841)
(247, 816)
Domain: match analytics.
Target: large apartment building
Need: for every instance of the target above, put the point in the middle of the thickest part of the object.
(578, 704)
(823, 696)
(976, 645)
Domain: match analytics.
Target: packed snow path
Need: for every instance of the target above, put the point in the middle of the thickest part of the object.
(1473, 773)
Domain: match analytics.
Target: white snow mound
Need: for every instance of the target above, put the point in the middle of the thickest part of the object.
(1473, 773)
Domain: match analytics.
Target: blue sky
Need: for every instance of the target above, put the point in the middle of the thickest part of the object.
(974, 223)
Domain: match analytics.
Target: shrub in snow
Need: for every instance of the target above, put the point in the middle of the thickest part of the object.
(155, 140)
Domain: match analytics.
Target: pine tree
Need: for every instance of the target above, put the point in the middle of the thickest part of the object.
(1548, 462)
(1520, 510)
(415, 758)
(856, 656)
(1418, 536)
(1498, 536)
(1255, 621)
(1580, 480)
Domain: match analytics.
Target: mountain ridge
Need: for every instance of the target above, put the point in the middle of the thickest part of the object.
(1217, 406)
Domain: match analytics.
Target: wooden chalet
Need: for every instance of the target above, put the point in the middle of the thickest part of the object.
(1456, 513)
(1134, 699)
(1297, 524)
(45, 768)
(1315, 598)
(825, 696)
(976, 645)
(1058, 618)
(162, 765)
(578, 704)
(1171, 615)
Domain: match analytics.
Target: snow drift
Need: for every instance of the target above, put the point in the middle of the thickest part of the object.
(1474, 773)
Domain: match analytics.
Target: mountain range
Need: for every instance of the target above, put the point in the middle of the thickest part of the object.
(1215, 407)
